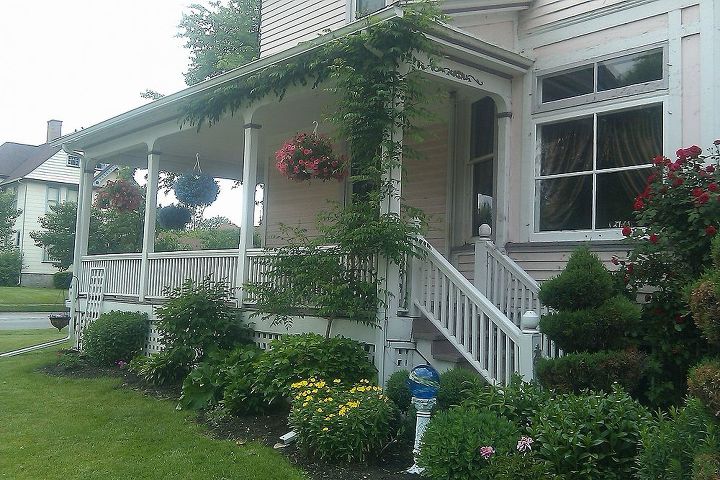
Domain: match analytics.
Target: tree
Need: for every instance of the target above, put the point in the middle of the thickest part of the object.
(221, 37)
(8, 214)
(111, 231)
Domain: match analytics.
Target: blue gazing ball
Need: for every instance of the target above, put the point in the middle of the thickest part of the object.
(423, 382)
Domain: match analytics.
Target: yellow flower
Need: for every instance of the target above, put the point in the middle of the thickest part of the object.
(305, 404)
(325, 429)
(319, 410)
(309, 397)
(364, 381)
(353, 390)
(315, 390)
(337, 380)
(320, 384)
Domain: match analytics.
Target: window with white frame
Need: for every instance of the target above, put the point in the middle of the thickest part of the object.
(592, 167)
(72, 195)
(52, 198)
(594, 160)
(483, 141)
(603, 79)
(366, 7)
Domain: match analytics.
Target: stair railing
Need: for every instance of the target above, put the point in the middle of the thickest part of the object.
(482, 334)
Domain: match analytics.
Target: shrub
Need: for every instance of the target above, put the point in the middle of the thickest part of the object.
(335, 422)
(62, 280)
(517, 401)
(593, 371)
(520, 467)
(239, 398)
(10, 267)
(705, 306)
(297, 357)
(201, 316)
(397, 390)
(451, 446)
(167, 368)
(115, 336)
(704, 383)
(607, 327)
(455, 386)
(590, 436)
(206, 384)
(585, 283)
(670, 442)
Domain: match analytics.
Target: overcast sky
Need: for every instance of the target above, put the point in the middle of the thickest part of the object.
(84, 61)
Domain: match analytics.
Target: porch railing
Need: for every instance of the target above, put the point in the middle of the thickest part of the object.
(122, 273)
(488, 340)
(508, 286)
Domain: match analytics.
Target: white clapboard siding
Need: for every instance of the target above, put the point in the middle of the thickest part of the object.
(56, 169)
(546, 261)
(425, 183)
(285, 23)
(544, 12)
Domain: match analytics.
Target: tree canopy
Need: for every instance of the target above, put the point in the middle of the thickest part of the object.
(221, 37)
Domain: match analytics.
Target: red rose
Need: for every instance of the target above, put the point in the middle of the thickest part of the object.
(639, 204)
(626, 231)
(710, 230)
(713, 187)
(679, 319)
(710, 168)
(681, 154)
(659, 160)
(703, 199)
(694, 151)
(697, 191)
(630, 268)
(615, 261)
(653, 238)
(678, 181)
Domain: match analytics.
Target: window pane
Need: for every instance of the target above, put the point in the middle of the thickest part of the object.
(365, 7)
(566, 147)
(631, 137)
(565, 203)
(483, 194)
(616, 193)
(482, 128)
(72, 196)
(568, 84)
(630, 70)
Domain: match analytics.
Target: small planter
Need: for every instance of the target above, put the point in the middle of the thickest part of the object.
(59, 320)
(309, 156)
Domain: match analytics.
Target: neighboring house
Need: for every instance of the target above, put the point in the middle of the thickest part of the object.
(40, 176)
(550, 116)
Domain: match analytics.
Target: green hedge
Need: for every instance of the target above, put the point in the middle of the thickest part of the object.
(10, 267)
(593, 371)
(62, 280)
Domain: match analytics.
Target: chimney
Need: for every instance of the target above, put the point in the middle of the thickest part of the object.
(54, 128)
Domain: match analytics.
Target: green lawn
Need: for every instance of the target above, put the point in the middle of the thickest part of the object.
(15, 339)
(26, 299)
(60, 428)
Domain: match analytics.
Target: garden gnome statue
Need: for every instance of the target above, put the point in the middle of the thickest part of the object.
(424, 381)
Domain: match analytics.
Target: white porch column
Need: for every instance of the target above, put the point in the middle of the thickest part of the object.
(82, 232)
(391, 326)
(251, 153)
(149, 226)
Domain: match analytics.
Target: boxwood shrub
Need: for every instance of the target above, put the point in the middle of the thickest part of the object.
(593, 371)
(704, 383)
(62, 280)
(456, 385)
(115, 336)
(397, 390)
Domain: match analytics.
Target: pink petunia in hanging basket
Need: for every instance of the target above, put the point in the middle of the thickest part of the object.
(309, 156)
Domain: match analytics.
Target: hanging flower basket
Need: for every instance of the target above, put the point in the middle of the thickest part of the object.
(196, 189)
(309, 156)
(59, 320)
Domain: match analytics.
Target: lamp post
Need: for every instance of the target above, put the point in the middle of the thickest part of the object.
(424, 381)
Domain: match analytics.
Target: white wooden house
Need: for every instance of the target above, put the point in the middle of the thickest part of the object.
(40, 176)
(546, 135)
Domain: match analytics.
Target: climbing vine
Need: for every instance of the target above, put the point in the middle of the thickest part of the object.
(371, 72)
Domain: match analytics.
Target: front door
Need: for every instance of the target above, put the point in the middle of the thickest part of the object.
(482, 165)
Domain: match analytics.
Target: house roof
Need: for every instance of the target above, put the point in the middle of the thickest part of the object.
(17, 159)
(170, 107)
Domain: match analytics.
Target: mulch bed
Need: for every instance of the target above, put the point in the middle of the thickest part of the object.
(265, 430)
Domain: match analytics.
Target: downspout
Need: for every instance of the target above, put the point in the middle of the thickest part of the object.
(22, 228)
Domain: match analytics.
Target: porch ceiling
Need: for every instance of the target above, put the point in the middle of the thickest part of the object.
(124, 139)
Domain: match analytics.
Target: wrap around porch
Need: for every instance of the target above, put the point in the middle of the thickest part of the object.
(480, 320)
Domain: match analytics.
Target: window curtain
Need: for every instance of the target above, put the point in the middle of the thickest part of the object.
(566, 147)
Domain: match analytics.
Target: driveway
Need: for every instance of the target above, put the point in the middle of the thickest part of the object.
(23, 321)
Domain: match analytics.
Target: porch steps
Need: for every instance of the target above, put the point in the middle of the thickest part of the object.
(425, 334)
